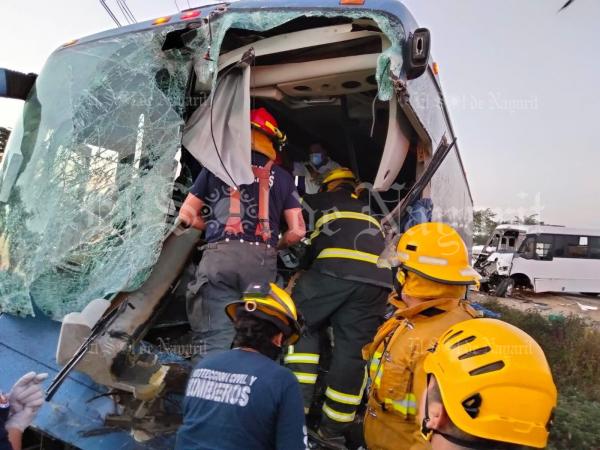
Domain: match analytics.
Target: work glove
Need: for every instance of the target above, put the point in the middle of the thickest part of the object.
(22, 419)
(27, 392)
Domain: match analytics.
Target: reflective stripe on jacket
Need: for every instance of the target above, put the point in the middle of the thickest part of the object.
(346, 240)
(396, 369)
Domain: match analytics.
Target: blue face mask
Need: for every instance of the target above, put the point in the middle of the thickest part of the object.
(316, 159)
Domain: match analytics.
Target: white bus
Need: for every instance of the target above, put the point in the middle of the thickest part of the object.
(556, 259)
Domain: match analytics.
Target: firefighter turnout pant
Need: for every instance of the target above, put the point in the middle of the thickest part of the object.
(354, 310)
(226, 270)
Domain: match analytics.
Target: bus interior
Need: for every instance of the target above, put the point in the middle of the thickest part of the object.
(325, 93)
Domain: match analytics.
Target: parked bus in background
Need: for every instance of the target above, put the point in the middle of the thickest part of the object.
(556, 259)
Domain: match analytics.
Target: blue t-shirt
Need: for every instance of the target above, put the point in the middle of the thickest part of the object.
(242, 400)
(215, 193)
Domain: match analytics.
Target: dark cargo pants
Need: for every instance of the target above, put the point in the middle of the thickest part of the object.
(354, 310)
(225, 271)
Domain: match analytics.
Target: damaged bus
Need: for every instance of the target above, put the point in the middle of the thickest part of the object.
(93, 268)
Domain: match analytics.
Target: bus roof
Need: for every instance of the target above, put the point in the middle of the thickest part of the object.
(553, 229)
(390, 7)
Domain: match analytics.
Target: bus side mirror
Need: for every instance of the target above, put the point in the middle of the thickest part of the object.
(16, 85)
(416, 53)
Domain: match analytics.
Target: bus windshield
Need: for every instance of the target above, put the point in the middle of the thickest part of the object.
(98, 140)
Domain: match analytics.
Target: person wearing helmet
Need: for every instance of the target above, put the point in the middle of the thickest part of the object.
(431, 278)
(241, 230)
(343, 289)
(243, 399)
(314, 170)
(489, 386)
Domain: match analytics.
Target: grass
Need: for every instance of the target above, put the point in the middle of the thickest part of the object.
(573, 351)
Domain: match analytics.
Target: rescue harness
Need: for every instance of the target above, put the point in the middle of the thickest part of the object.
(234, 224)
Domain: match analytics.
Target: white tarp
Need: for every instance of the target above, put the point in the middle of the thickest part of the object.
(230, 130)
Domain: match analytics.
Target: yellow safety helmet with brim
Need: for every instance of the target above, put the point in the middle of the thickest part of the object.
(494, 381)
(339, 173)
(435, 250)
(271, 303)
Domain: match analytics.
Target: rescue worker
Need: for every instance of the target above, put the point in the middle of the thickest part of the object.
(241, 230)
(343, 289)
(243, 399)
(314, 170)
(18, 409)
(431, 282)
(489, 386)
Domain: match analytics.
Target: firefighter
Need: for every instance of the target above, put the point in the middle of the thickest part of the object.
(241, 229)
(488, 386)
(343, 289)
(431, 282)
(243, 399)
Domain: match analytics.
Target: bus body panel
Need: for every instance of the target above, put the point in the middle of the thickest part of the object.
(559, 259)
(560, 274)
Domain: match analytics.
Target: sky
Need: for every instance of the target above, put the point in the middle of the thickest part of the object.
(521, 82)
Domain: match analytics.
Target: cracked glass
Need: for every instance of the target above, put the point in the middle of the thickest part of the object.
(99, 138)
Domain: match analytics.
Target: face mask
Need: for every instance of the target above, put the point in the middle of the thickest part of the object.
(316, 159)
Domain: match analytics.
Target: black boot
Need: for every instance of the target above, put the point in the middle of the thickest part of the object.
(317, 440)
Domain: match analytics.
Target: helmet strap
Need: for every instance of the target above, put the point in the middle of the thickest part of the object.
(398, 272)
(461, 442)
(426, 432)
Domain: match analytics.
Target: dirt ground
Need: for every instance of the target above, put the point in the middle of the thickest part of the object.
(549, 303)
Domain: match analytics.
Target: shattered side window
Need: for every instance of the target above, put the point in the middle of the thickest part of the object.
(99, 135)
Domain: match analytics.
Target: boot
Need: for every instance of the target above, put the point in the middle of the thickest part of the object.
(317, 440)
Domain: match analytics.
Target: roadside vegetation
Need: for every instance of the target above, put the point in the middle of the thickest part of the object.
(572, 347)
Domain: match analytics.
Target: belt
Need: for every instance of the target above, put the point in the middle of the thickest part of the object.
(214, 245)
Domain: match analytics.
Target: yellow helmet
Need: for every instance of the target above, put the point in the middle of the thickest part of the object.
(494, 381)
(436, 251)
(270, 302)
(340, 173)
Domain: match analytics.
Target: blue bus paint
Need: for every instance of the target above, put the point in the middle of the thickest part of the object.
(28, 344)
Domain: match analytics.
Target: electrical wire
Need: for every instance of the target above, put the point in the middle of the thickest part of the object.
(126, 11)
(110, 13)
(123, 12)
(177, 6)
(373, 113)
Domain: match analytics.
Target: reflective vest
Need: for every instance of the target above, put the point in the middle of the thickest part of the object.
(395, 364)
(346, 240)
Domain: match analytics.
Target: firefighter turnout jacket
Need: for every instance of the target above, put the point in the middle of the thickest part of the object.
(346, 240)
(395, 364)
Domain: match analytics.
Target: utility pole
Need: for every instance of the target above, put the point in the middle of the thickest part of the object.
(4, 134)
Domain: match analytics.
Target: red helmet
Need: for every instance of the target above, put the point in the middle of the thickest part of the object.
(263, 120)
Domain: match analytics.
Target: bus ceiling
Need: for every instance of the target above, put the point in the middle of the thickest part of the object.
(359, 52)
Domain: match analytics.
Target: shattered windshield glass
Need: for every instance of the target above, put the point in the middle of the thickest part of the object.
(98, 138)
